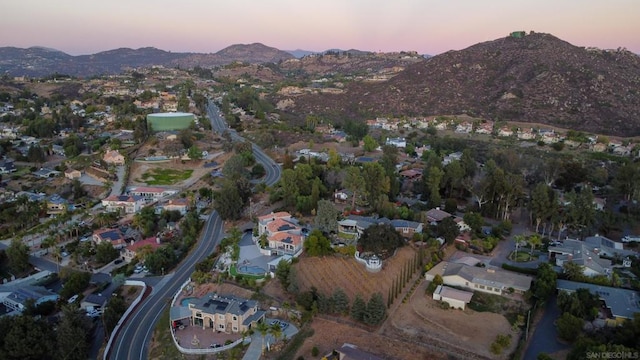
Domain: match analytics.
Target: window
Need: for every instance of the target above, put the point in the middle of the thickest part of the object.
(235, 317)
(235, 328)
(221, 317)
(220, 326)
(198, 314)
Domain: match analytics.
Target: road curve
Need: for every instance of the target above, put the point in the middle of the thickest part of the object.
(133, 338)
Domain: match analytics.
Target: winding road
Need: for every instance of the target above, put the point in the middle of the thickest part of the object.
(133, 338)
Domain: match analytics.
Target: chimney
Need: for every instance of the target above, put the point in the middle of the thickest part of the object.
(132, 242)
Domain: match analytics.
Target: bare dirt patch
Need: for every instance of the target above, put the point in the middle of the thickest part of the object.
(138, 169)
(463, 334)
(329, 335)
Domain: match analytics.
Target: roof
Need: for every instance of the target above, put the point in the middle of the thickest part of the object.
(152, 241)
(20, 294)
(97, 299)
(622, 302)
(213, 303)
(399, 223)
(286, 238)
(279, 225)
(580, 253)
(123, 198)
(437, 215)
(493, 277)
(108, 234)
(455, 294)
(274, 216)
(352, 352)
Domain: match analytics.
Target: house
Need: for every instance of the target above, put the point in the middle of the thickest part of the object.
(489, 280)
(283, 233)
(356, 225)
(151, 194)
(58, 150)
(397, 142)
(72, 174)
(46, 173)
(464, 127)
(342, 195)
(411, 175)
(136, 248)
(436, 215)
(406, 228)
(485, 128)
(448, 159)
(606, 247)
(179, 204)
(126, 204)
(457, 299)
(505, 131)
(16, 297)
(113, 157)
(462, 226)
(94, 301)
(224, 313)
(351, 352)
(622, 303)
(599, 203)
(114, 236)
(580, 253)
(7, 166)
(56, 205)
(526, 134)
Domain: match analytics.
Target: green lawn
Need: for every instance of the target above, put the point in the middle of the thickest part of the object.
(520, 256)
(165, 176)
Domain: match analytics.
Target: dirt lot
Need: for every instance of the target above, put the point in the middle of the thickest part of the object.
(139, 168)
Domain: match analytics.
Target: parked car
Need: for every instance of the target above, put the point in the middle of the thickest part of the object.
(73, 299)
(214, 345)
(118, 261)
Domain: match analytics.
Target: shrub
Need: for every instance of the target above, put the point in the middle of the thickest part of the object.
(315, 351)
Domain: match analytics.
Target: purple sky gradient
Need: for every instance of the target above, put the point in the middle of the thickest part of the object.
(426, 26)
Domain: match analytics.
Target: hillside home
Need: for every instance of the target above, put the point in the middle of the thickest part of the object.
(46, 173)
(58, 150)
(180, 205)
(224, 313)
(114, 236)
(434, 216)
(351, 352)
(151, 194)
(526, 134)
(113, 157)
(406, 228)
(489, 280)
(125, 204)
(141, 247)
(283, 233)
(485, 128)
(16, 297)
(56, 205)
(505, 131)
(464, 127)
(72, 174)
(7, 166)
(397, 142)
(448, 159)
(582, 254)
(623, 304)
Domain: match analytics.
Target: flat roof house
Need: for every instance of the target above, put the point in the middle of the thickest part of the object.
(580, 253)
(150, 194)
(126, 204)
(15, 297)
(457, 299)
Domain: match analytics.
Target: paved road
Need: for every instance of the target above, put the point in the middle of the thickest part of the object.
(134, 336)
(545, 337)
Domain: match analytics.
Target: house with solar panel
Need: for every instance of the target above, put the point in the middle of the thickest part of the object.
(114, 236)
(15, 297)
(283, 233)
(224, 313)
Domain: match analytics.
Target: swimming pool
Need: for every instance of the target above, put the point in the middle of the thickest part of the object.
(251, 270)
(185, 302)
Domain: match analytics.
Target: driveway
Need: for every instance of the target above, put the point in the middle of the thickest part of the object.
(545, 336)
(116, 189)
(88, 180)
(250, 254)
(254, 350)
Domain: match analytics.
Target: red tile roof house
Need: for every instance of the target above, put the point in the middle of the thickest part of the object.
(136, 248)
(180, 204)
(112, 235)
(283, 233)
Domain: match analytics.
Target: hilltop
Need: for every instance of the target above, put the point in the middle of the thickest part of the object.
(536, 78)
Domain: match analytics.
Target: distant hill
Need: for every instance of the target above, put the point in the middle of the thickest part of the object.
(536, 78)
(38, 61)
(298, 53)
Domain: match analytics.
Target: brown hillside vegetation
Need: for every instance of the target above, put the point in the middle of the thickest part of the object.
(332, 272)
(537, 78)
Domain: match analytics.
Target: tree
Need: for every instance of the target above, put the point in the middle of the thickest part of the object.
(340, 301)
(282, 272)
(317, 244)
(326, 217)
(263, 328)
(433, 182)
(105, 252)
(569, 326)
(541, 203)
(194, 153)
(145, 220)
(534, 240)
(358, 309)
(113, 311)
(77, 189)
(276, 331)
(376, 310)
(355, 182)
(380, 239)
(376, 183)
(545, 284)
(474, 220)
(35, 154)
(26, 337)
(18, 255)
(234, 167)
(370, 143)
(72, 334)
(228, 201)
(627, 180)
(448, 229)
(572, 270)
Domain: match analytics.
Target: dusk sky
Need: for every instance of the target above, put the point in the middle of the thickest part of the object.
(426, 26)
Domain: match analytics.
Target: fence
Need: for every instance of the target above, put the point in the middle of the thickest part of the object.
(126, 313)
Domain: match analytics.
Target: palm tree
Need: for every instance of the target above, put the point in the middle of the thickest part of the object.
(57, 255)
(534, 240)
(519, 240)
(276, 331)
(47, 243)
(263, 328)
